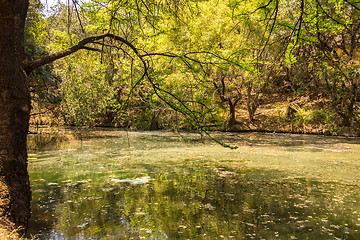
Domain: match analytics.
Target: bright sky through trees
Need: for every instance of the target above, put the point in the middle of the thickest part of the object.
(50, 3)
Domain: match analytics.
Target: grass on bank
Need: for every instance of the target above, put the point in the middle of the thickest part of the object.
(6, 234)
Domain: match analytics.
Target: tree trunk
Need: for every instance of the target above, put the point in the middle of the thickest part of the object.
(15, 194)
(231, 122)
(252, 102)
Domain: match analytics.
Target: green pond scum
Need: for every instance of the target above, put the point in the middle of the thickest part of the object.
(162, 185)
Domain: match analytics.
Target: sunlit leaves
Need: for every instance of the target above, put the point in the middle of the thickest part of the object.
(183, 43)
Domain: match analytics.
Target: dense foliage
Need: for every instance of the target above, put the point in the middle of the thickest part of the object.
(199, 64)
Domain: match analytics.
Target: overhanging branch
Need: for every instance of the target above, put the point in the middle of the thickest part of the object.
(29, 66)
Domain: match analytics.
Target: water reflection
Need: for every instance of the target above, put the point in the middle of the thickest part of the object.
(185, 190)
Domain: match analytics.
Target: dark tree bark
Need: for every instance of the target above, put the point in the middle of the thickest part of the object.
(15, 194)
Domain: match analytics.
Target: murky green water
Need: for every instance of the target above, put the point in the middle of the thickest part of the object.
(158, 185)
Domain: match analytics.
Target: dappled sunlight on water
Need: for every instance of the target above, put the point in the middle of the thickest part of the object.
(160, 185)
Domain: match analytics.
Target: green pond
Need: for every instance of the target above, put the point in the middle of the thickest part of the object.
(113, 184)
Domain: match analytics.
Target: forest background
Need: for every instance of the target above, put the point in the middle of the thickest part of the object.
(283, 66)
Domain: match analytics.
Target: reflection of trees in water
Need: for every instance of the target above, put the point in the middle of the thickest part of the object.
(199, 203)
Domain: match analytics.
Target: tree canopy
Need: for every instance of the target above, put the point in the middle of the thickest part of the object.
(204, 60)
